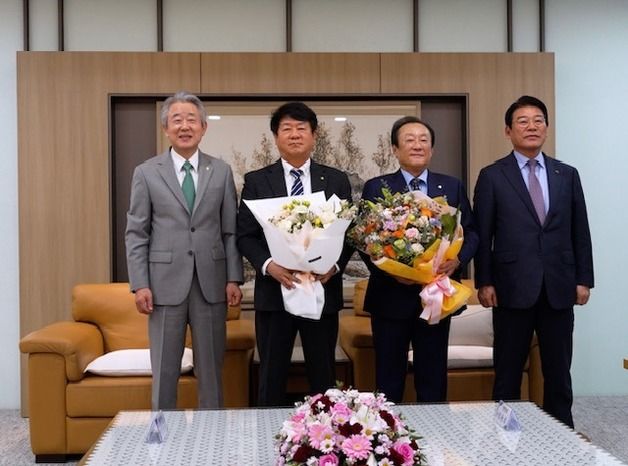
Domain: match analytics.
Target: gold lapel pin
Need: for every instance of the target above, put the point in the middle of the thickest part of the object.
(440, 186)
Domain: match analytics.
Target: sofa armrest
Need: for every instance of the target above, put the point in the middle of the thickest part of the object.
(240, 335)
(356, 331)
(79, 343)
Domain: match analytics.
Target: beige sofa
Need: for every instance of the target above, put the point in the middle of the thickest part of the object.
(470, 373)
(68, 408)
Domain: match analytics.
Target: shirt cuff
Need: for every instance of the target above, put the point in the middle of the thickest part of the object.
(265, 265)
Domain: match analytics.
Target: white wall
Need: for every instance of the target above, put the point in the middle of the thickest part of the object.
(588, 39)
(11, 27)
(591, 44)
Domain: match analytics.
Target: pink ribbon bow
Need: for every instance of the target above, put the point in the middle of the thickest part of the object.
(432, 296)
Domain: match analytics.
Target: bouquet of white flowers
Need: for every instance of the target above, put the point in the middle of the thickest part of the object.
(304, 233)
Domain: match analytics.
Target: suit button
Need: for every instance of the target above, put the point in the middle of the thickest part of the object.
(190, 253)
(192, 229)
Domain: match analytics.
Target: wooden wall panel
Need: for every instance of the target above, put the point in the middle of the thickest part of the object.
(492, 82)
(63, 166)
(290, 73)
(63, 133)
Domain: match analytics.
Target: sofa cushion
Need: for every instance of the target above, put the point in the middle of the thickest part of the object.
(111, 306)
(131, 362)
(469, 357)
(97, 396)
(473, 327)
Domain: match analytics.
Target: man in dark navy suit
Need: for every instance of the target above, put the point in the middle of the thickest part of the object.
(395, 304)
(534, 260)
(294, 127)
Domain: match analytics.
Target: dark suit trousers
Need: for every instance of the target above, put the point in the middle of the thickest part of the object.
(391, 340)
(275, 332)
(513, 334)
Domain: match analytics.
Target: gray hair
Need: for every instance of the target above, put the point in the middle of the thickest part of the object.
(185, 97)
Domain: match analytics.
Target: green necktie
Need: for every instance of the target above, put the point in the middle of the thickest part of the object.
(188, 185)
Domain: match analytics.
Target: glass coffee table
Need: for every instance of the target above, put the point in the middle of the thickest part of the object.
(453, 434)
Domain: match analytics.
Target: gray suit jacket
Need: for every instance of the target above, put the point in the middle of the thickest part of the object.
(164, 240)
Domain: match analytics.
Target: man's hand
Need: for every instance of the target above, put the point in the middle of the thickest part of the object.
(487, 296)
(284, 276)
(325, 278)
(144, 300)
(448, 267)
(234, 294)
(582, 294)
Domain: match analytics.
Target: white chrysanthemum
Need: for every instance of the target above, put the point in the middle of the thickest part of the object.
(300, 209)
(285, 225)
(327, 217)
(417, 248)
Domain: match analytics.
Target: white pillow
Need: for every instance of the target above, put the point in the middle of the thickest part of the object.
(469, 357)
(131, 362)
(465, 357)
(473, 327)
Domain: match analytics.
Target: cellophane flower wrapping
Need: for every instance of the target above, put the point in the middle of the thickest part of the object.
(408, 235)
(304, 233)
(347, 427)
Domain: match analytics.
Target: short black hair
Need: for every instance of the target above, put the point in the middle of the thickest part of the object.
(394, 140)
(525, 101)
(295, 110)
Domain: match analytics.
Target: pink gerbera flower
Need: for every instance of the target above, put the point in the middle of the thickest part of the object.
(318, 433)
(357, 447)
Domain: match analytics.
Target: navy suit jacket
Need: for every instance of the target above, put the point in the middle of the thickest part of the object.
(385, 296)
(517, 255)
(269, 182)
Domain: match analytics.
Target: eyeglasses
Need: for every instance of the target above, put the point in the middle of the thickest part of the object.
(524, 122)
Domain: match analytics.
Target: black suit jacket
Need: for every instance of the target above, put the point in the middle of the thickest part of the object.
(385, 296)
(517, 255)
(269, 182)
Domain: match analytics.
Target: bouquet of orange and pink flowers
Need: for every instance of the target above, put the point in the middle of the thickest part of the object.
(408, 235)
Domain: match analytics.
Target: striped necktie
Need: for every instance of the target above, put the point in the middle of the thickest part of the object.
(297, 185)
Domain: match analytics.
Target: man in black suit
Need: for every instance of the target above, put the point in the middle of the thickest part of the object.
(534, 261)
(395, 304)
(294, 128)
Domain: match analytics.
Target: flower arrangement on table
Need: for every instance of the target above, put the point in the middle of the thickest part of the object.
(408, 235)
(347, 427)
(304, 233)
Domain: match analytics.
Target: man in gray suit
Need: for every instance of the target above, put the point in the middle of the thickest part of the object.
(184, 266)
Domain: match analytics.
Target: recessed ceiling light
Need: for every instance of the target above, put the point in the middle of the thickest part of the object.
(340, 119)
(213, 117)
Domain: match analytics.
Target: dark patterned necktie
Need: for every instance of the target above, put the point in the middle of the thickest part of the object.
(536, 193)
(415, 184)
(188, 185)
(297, 185)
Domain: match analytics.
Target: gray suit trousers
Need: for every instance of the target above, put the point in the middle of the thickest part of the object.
(166, 330)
